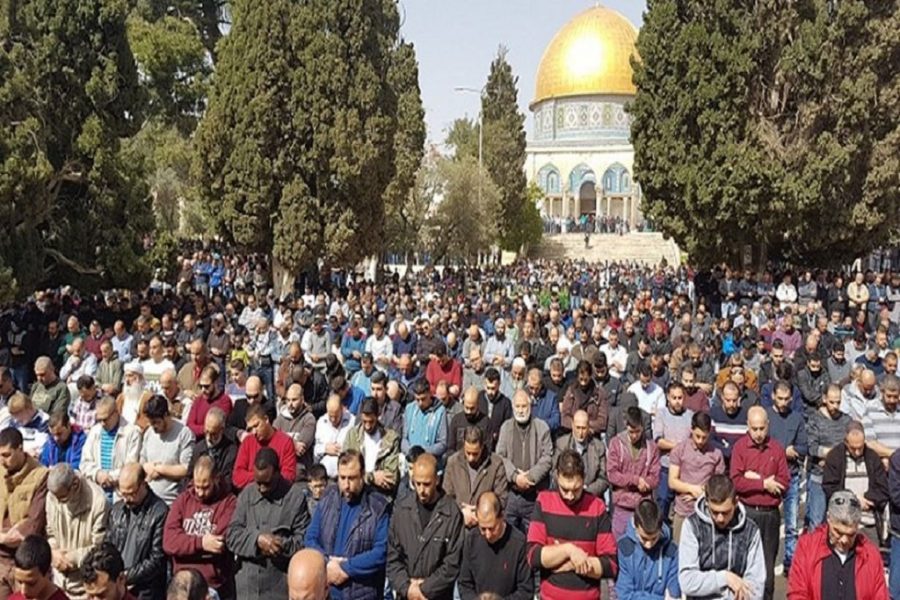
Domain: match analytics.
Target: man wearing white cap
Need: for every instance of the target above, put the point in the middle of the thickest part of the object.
(130, 403)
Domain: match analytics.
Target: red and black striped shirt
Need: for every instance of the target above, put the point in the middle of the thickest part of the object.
(587, 524)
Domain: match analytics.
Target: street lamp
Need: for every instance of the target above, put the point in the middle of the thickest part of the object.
(480, 93)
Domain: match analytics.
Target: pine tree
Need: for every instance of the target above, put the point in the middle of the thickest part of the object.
(771, 124)
(504, 153)
(72, 201)
(298, 145)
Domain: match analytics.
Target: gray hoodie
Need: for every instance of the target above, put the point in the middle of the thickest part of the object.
(697, 584)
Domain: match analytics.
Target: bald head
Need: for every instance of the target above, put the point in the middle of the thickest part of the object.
(758, 424)
(307, 578)
(254, 387)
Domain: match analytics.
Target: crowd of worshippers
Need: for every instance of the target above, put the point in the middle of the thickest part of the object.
(471, 436)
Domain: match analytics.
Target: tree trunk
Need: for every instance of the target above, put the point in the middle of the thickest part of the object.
(282, 278)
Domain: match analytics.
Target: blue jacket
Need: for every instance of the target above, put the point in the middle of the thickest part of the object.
(546, 408)
(349, 345)
(363, 541)
(426, 429)
(646, 575)
(53, 454)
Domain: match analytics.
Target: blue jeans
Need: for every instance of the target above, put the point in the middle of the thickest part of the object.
(664, 496)
(894, 579)
(815, 504)
(791, 514)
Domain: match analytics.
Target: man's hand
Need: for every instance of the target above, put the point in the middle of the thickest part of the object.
(752, 475)
(269, 544)
(333, 449)
(336, 574)
(214, 544)
(580, 559)
(300, 448)
(12, 538)
(522, 481)
(696, 491)
(415, 590)
(150, 471)
(468, 512)
(738, 586)
(383, 480)
(865, 503)
(772, 486)
(643, 486)
(791, 453)
(60, 561)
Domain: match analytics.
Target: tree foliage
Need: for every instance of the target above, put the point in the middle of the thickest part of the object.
(773, 123)
(504, 152)
(465, 219)
(73, 204)
(298, 145)
(462, 138)
(402, 203)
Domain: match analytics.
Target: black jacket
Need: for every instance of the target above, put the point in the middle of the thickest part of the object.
(433, 554)
(223, 456)
(138, 535)
(835, 471)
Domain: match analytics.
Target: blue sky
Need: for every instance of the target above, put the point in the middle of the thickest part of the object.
(456, 40)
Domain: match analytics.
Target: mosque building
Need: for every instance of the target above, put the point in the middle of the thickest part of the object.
(580, 153)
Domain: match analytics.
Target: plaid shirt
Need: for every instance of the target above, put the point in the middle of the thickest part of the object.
(84, 414)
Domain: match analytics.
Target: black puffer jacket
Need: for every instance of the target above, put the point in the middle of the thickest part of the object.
(432, 554)
(138, 534)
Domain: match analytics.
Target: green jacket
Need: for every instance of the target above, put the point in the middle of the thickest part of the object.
(388, 451)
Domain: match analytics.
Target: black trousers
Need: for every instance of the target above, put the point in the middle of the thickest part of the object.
(769, 522)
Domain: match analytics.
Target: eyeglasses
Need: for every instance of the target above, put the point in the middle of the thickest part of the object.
(841, 501)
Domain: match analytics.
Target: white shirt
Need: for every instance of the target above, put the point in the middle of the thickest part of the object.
(615, 355)
(649, 400)
(153, 371)
(327, 433)
(380, 349)
(371, 444)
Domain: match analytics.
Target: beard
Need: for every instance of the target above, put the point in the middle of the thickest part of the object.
(133, 393)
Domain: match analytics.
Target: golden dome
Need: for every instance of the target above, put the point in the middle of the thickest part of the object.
(589, 55)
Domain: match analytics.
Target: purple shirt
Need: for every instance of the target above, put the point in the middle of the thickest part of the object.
(696, 467)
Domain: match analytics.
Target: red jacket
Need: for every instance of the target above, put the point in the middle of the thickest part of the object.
(188, 521)
(805, 579)
(201, 405)
(283, 446)
(435, 373)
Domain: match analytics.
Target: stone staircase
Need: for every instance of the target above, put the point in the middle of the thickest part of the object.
(646, 248)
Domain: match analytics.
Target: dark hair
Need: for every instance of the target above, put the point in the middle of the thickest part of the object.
(102, 558)
(338, 382)
(348, 457)
(187, 584)
(256, 410)
(157, 407)
(420, 386)
(644, 370)
(11, 437)
(378, 377)
(634, 417)
(491, 374)
(570, 464)
(701, 421)
(777, 343)
(59, 417)
(784, 371)
(584, 367)
(85, 382)
(317, 472)
(720, 488)
(782, 385)
(474, 435)
(369, 406)
(647, 516)
(34, 552)
(675, 385)
(266, 458)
